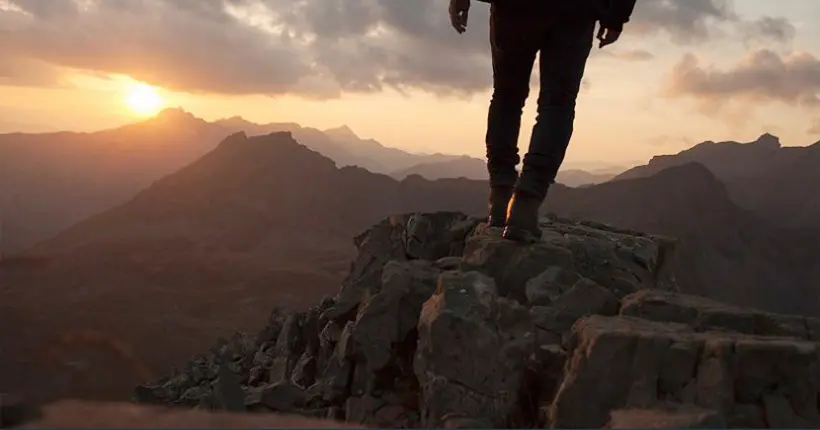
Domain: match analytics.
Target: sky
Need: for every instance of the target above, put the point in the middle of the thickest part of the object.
(683, 72)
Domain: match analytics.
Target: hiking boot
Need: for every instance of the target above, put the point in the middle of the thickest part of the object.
(498, 202)
(522, 219)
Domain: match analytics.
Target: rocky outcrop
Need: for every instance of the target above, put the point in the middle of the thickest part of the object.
(441, 323)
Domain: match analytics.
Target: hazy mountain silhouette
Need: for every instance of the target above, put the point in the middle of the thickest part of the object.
(474, 168)
(461, 167)
(581, 178)
(762, 175)
(312, 138)
(342, 145)
(49, 181)
(283, 193)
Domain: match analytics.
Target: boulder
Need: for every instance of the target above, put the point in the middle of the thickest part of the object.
(723, 371)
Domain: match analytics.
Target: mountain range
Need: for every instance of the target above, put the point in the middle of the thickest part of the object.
(762, 175)
(256, 221)
(50, 181)
(474, 168)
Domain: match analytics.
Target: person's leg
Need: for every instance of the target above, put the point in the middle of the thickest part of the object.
(513, 55)
(563, 58)
(562, 63)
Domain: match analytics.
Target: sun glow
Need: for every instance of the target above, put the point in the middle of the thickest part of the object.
(143, 100)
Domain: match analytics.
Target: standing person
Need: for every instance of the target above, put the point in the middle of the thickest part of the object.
(562, 31)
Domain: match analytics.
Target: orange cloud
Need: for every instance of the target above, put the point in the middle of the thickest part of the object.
(763, 75)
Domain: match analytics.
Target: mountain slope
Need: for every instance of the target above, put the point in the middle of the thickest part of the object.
(50, 181)
(726, 252)
(727, 160)
(763, 176)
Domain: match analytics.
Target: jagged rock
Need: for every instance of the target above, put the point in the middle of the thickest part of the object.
(716, 370)
(549, 285)
(399, 238)
(283, 397)
(339, 370)
(551, 325)
(437, 235)
(705, 314)
(276, 320)
(442, 323)
(387, 319)
(472, 351)
(304, 372)
(513, 265)
(289, 347)
(228, 394)
(587, 298)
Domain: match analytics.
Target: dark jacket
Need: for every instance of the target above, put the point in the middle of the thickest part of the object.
(612, 14)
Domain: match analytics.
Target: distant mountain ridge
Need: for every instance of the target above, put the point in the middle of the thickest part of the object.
(474, 168)
(772, 180)
(50, 181)
(340, 144)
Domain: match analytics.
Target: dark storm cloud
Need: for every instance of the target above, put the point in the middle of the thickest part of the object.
(762, 75)
(311, 47)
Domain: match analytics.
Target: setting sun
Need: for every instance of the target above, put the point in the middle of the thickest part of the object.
(143, 99)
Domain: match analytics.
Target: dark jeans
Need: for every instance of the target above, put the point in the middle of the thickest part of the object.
(518, 31)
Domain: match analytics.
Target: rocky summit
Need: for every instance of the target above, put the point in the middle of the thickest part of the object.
(441, 323)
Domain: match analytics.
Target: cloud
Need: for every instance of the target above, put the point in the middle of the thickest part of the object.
(314, 48)
(29, 73)
(768, 28)
(763, 75)
(686, 21)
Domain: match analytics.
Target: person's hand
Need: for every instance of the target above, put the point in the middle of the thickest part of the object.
(607, 36)
(459, 10)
